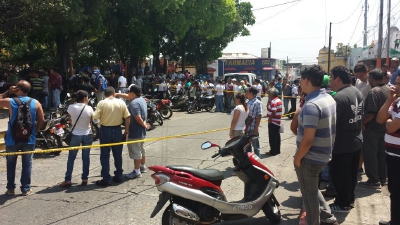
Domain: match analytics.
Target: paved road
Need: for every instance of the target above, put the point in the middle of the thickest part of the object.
(133, 201)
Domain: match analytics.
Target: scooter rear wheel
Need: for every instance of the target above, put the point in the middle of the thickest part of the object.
(168, 219)
(271, 210)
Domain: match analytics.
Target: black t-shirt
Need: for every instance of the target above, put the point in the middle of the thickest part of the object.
(349, 107)
(373, 103)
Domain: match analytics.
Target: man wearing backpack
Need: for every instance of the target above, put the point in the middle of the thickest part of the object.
(100, 84)
(26, 118)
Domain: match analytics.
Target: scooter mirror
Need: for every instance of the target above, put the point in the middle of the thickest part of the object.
(92, 94)
(206, 145)
(69, 95)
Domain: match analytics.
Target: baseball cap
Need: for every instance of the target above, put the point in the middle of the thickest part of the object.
(234, 79)
(96, 71)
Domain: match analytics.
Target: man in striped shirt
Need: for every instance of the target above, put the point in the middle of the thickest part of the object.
(390, 114)
(315, 138)
(274, 114)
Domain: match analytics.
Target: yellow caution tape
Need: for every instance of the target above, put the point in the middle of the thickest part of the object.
(119, 143)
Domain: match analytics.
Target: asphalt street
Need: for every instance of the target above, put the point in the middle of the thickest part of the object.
(132, 201)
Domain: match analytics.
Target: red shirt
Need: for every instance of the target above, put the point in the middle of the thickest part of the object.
(275, 105)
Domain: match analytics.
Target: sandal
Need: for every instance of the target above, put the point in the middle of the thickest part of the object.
(66, 184)
(84, 182)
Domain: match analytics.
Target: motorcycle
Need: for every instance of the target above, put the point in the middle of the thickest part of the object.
(51, 134)
(153, 115)
(179, 101)
(205, 102)
(163, 106)
(196, 197)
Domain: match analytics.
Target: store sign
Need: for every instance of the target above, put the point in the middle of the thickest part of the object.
(266, 62)
(240, 62)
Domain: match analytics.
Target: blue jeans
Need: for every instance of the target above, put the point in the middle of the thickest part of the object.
(26, 166)
(219, 104)
(77, 140)
(110, 135)
(56, 97)
(286, 104)
(229, 103)
(254, 143)
(46, 101)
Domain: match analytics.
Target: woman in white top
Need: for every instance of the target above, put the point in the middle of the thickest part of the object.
(239, 115)
(82, 134)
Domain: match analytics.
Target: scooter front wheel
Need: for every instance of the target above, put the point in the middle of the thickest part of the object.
(168, 219)
(271, 210)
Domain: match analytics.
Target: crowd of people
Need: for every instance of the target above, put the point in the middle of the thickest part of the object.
(347, 122)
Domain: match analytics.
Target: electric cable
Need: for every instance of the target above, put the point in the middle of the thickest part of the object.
(355, 28)
(278, 13)
(267, 7)
(350, 14)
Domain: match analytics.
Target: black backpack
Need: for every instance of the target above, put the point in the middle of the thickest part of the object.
(21, 128)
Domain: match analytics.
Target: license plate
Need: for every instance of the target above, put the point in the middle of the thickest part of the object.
(59, 132)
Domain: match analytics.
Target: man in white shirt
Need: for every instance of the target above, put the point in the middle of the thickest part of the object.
(361, 72)
(258, 86)
(133, 81)
(219, 96)
(121, 83)
(139, 82)
(173, 77)
(180, 75)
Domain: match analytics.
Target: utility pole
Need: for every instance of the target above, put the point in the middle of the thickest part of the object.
(287, 67)
(388, 34)
(365, 23)
(329, 48)
(269, 51)
(379, 56)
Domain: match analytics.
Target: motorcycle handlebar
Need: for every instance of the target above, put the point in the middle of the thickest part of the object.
(215, 155)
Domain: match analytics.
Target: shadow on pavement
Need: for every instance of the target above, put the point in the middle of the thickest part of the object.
(293, 187)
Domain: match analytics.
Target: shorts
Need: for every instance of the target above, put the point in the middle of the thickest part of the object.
(136, 150)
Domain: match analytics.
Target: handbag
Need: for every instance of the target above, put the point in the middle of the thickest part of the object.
(68, 137)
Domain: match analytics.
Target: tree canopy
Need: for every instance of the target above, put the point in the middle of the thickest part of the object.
(43, 33)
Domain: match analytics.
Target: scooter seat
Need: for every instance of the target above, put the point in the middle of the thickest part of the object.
(206, 174)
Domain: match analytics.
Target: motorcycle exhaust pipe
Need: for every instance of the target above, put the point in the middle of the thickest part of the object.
(184, 213)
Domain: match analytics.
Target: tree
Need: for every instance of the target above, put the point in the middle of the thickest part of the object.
(342, 50)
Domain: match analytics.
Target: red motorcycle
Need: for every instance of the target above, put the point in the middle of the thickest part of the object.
(164, 107)
(195, 195)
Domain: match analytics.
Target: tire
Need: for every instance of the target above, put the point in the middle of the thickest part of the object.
(166, 112)
(271, 210)
(190, 108)
(166, 216)
(53, 141)
(95, 131)
(208, 108)
(159, 119)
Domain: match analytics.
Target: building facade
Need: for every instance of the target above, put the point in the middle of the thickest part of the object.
(334, 60)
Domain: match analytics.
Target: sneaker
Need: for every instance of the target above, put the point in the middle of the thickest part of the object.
(143, 169)
(10, 192)
(26, 193)
(330, 193)
(361, 171)
(367, 184)
(339, 209)
(384, 223)
(133, 175)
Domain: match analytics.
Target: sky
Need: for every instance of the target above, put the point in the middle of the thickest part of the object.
(300, 29)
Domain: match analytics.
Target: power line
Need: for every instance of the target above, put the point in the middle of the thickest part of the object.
(278, 13)
(267, 7)
(350, 14)
(355, 27)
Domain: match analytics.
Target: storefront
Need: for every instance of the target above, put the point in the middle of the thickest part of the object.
(264, 68)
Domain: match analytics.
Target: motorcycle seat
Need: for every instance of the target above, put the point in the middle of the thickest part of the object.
(206, 174)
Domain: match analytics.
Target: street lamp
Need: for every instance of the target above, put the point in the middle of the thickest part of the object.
(71, 63)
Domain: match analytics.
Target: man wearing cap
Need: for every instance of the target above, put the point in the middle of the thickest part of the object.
(395, 66)
(99, 80)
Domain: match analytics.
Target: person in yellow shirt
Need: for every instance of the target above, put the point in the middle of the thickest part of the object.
(111, 111)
